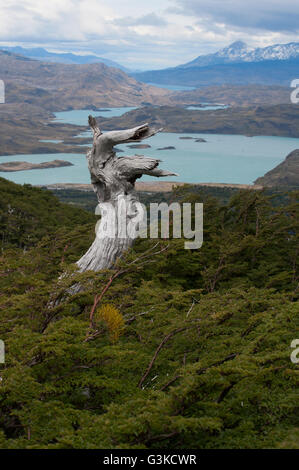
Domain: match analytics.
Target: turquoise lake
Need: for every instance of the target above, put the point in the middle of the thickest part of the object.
(80, 116)
(222, 159)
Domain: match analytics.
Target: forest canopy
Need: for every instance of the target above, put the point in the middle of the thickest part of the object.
(172, 348)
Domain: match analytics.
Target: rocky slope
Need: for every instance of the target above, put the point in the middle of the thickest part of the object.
(284, 174)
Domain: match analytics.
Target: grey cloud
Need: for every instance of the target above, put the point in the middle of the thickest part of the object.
(228, 20)
(148, 20)
(268, 15)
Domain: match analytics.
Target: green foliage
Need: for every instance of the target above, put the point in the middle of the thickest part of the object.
(27, 214)
(204, 358)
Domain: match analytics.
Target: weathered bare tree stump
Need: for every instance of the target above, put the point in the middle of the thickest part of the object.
(113, 179)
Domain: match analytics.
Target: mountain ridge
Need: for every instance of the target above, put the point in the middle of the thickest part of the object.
(41, 54)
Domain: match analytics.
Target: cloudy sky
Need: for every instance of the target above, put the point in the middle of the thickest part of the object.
(147, 34)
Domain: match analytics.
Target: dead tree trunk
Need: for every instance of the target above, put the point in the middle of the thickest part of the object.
(113, 179)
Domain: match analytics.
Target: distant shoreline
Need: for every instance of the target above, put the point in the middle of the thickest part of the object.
(27, 166)
(148, 186)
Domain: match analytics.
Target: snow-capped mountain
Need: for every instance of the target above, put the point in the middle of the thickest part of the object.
(275, 52)
(239, 52)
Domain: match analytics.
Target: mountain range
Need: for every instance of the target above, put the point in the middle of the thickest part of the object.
(236, 64)
(39, 53)
(239, 51)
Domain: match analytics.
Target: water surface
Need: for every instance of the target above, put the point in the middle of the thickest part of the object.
(172, 87)
(222, 159)
(80, 116)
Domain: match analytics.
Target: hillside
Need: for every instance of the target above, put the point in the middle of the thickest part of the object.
(191, 351)
(58, 87)
(280, 120)
(286, 174)
(235, 95)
